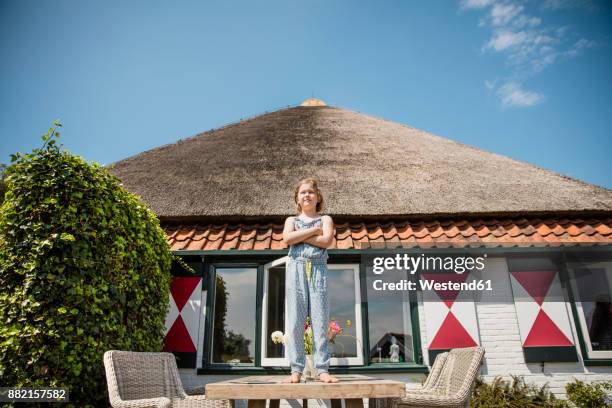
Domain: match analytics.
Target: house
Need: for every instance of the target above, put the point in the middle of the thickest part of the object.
(222, 197)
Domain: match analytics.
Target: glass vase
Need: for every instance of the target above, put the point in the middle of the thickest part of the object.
(309, 368)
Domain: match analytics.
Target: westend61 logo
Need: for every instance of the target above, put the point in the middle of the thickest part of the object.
(437, 273)
(423, 262)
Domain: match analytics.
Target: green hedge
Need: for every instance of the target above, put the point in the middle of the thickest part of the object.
(513, 394)
(518, 394)
(84, 268)
(593, 395)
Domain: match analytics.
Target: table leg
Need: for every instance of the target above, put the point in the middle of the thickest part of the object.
(336, 403)
(353, 403)
(304, 403)
(378, 403)
(257, 404)
(274, 403)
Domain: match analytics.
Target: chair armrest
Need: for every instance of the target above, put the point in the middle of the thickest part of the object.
(200, 401)
(160, 402)
(431, 400)
(420, 391)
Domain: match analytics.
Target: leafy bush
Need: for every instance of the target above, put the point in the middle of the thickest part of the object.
(514, 394)
(592, 395)
(2, 183)
(84, 268)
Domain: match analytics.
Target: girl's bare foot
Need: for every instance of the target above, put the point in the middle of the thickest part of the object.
(326, 378)
(294, 378)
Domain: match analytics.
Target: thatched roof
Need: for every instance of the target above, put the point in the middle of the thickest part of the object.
(366, 166)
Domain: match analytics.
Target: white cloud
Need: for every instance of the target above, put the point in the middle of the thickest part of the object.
(578, 46)
(529, 45)
(525, 21)
(501, 14)
(538, 64)
(513, 95)
(542, 39)
(475, 4)
(507, 14)
(529, 48)
(506, 39)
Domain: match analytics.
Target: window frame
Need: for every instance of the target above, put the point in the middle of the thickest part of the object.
(270, 361)
(207, 362)
(359, 359)
(411, 312)
(589, 356)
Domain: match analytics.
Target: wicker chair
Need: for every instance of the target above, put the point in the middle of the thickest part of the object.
(430, 382)
(433, 379)
(453, 384)
(142, 380)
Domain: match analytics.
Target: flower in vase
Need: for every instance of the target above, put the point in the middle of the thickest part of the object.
(333, 330)
(278, 337)
(308, 338)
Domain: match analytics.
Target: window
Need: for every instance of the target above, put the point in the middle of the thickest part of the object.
(233, 328)
(390, 324)
(345, 309)
(591, 285)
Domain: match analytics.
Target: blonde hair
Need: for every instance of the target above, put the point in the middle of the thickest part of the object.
(315, 186)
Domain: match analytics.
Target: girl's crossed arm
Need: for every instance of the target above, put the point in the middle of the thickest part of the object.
(291, 236)
(326, 239)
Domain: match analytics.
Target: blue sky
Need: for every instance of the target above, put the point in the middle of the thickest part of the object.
(531, 80)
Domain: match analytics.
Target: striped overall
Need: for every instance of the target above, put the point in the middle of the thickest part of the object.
(306, 291)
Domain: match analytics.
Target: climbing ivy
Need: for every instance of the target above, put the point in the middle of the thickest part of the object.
(84, 268)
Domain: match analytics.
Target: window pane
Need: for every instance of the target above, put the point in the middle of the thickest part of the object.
(234, 320)
(594, 292)
(276, 309)
(341, 292)
(390, 327)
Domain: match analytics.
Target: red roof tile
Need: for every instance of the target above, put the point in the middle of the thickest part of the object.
(355, 235)
(603, 229)
(184, 233)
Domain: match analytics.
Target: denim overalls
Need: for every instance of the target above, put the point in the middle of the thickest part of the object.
(306, 289)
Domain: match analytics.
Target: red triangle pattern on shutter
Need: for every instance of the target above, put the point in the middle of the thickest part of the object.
(451, 334)
(545, 332)
(181, 289)
(447, 296)
(178, 338)
(536, 283)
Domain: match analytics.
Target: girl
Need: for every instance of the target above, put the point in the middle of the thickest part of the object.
(308, 236)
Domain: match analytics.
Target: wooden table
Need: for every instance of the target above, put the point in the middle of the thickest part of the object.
(258, 389)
